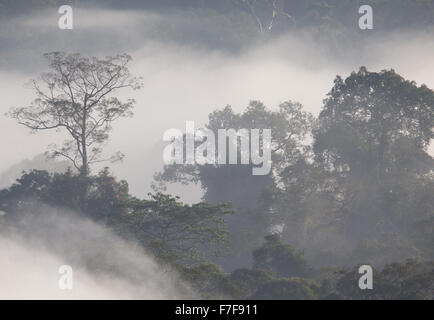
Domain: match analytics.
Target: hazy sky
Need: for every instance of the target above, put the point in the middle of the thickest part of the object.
(182, 82)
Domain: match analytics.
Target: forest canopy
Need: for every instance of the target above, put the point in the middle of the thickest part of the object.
(353, 186)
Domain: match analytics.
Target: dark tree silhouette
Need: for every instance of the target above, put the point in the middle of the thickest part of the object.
(77, 95)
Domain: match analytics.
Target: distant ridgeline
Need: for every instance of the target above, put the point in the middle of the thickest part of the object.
(232, 24)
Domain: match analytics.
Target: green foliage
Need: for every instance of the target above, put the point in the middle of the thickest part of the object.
(209, 281)
(288, 289)
(279, 258)
(175, 231)
(222, 183)
(361, 192)
(364, 191)
(172, 231)
(372, 140)
(247, 281)
(397, 281)
(366, 114)
(103, 201)
(76, 95)
(290, 126)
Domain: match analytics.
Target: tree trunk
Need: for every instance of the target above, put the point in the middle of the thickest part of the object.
(84, 164)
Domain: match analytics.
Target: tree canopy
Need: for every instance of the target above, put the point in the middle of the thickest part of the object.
(77, 96)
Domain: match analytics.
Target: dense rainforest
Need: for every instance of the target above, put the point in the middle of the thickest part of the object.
(353, 186)
(350, 186)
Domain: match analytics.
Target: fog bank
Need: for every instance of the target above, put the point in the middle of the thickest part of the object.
(104, 265)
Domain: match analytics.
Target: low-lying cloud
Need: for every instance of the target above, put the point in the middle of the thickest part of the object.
(104, 266)
(185, 81)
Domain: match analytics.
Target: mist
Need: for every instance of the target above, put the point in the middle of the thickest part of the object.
(104, 265)
(193, 62)
(185, 81)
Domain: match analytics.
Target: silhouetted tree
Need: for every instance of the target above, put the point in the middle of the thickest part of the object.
(77, 96)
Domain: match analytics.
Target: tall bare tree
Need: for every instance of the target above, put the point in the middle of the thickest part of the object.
(77, 95)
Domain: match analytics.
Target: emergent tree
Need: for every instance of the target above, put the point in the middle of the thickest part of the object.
(77, 95)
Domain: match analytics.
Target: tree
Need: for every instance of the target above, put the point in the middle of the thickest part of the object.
(209, 281)
(173, 232)
(373, 135)
(279, 258)
(77, 96)
(247, 281)
(290, 126)
(288, 289)
(176, 232)
(366, 114)
(409, 280)
(105, 202)
(302, 206)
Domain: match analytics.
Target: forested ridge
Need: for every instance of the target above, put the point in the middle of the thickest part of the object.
(352, 186)
(235, 24)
